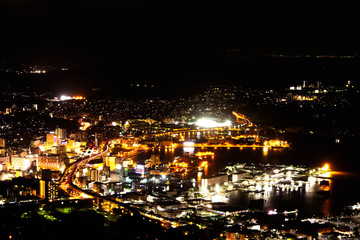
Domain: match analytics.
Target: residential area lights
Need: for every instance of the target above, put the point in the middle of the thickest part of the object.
(175, 192)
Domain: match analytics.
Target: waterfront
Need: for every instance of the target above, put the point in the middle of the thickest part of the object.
(345, 175)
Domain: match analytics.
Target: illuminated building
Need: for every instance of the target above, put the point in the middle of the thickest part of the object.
(74, 146)
(54, 150)
(55, 139)
(2, 142)
(70, 146)
(50, 140)
(52, 162)
(35, 143)
(3, 167)
(243, 234)
(17, 161)
(213, 181)
(140, 169)
(97, 187)
(84, 125)
(8, 110)
(115, 177)
(105, 173)
(99, 138)
(276, 143)
(159, 172)
(239, 176)
(48, 188)
(2, 151)
(94, 175)
(60, 133)
(22, 163)
(5, 162)
(111, 162)
(78, 98)
(304, 98)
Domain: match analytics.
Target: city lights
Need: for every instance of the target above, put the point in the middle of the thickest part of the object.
(179, 120)
(65, 98)
(169, 170)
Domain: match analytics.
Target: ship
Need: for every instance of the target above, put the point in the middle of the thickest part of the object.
(204, 154)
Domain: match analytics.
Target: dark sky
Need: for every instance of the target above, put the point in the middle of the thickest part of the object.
(141, 38)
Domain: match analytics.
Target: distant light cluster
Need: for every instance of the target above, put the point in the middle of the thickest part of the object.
(208, 123)
(65, 98)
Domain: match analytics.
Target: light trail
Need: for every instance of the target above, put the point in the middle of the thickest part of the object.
(87, 159)
(110, 201)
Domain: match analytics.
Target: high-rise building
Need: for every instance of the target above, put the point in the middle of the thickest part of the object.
(70, 147)
(3, 152)
(111, 162)
(99, 138)
(2, 142)
(61, 133)
(94, 175)
(5, 160)
(48, 188)
(96, 139)
(50, 140)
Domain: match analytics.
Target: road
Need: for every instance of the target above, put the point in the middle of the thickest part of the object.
(68, 185)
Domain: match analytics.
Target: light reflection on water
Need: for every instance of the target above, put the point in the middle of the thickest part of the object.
(343, 184)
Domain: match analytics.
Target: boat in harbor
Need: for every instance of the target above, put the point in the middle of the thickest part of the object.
(323, 172)
(205, 154)
(355, 207)
(324, 188)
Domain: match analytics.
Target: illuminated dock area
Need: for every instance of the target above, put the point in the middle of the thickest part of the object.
(241, 146)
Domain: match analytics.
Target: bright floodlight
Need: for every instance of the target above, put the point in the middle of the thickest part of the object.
(189, 144)
(207, 123)
(63, 98)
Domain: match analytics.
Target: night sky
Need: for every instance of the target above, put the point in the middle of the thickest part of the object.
(158, 40)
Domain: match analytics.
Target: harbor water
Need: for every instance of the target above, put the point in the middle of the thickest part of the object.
(308, 152)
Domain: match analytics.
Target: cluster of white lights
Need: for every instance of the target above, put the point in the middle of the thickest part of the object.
(64, 98)
(207, 123)
(189, 144)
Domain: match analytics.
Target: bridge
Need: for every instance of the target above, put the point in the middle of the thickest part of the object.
(181, 132)
(207, 145)
(241, 118)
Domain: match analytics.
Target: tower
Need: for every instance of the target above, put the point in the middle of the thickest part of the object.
(61, 133)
